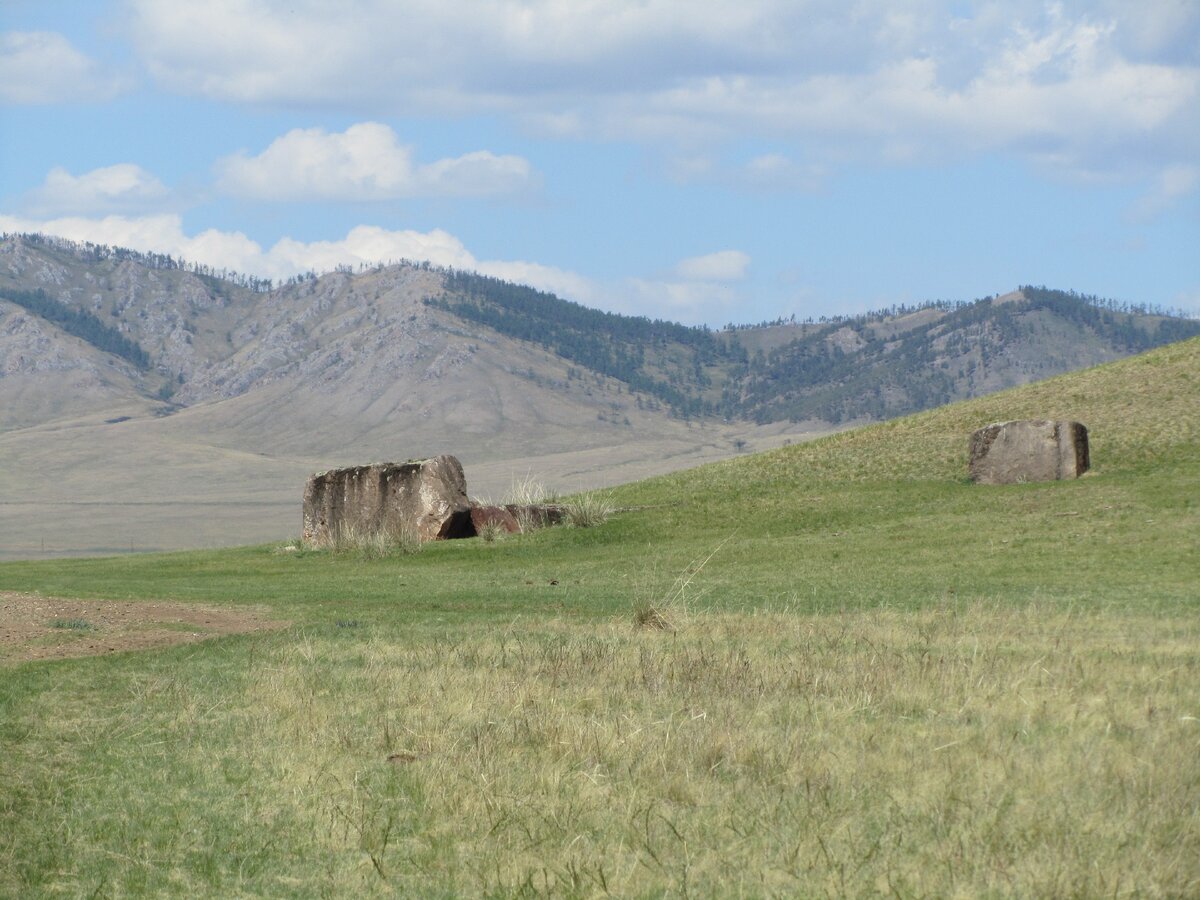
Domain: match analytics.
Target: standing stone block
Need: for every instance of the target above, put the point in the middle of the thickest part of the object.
(1029, 450)
(426, 498)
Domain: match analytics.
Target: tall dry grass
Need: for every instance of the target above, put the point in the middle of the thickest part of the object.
(374, 543)
(957, 751)
(529, 491)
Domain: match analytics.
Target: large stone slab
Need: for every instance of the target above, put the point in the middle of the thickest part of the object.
(1028, 450)
(426, 498)
(483, 517)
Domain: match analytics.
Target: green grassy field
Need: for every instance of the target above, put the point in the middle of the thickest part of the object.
(877, 678)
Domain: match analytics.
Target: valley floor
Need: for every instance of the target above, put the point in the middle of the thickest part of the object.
(96, 490)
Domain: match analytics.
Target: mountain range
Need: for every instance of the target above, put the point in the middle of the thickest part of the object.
(148, 404)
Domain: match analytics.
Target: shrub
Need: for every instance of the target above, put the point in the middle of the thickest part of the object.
(525, 493)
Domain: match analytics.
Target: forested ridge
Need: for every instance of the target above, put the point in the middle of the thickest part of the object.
(873, 366)
(88, 252)
(931, 362)
(1135, 328)
(666, 360)
(80, 323)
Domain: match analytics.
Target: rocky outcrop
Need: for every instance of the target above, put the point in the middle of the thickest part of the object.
(424, 498)
(483, 517)
(1029, 450)
(538, 515)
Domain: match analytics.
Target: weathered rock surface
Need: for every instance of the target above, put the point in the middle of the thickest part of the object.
(485, 516)
(1028, 450)
(538, 515)
(426, 497)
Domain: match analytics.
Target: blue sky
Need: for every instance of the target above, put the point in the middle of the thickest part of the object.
(698, 161)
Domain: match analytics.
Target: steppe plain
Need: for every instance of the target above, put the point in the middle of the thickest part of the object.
(863, 675)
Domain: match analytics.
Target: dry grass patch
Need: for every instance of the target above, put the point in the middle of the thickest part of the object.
(958, 751)
(35, 627)
(529, 491)
(374, 543)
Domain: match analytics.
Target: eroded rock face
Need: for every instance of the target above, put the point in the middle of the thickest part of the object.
(483, 516)
(427, 497)
(1028, 450)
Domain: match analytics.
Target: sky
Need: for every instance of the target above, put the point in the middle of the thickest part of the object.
(707, 161)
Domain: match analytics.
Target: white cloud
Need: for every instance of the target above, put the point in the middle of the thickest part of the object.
(121, 188)
(566, 284)
(690, 302)
(698, 290)
(478, 174)
(41, 67)
(724, 265)
(438, 54)
(765, 172)
(365, 162)
(1114, 88)
(161, 233)
(164, 233)
(369, 244)
(1037, 97)
(776, 170)
(1171, 185)
(1156, 29)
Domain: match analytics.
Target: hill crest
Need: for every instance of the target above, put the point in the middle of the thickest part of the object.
(195, 337)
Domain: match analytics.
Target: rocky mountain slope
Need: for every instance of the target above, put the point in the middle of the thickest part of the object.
(412, 344)
(321, 366)
(148, 404)
(878, 366)
(852, 369)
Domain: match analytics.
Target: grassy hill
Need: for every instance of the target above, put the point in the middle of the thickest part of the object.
(876, 677)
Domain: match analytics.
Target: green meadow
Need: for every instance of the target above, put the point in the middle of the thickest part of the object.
(837, 668)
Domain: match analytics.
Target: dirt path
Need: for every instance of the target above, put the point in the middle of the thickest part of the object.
(34, 627)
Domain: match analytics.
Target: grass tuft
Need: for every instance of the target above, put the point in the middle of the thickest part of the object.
(524, 493)
(492, 532)
(529, 491)
(667, 610)
(589, 509)
(376, 543)
(646, 615)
